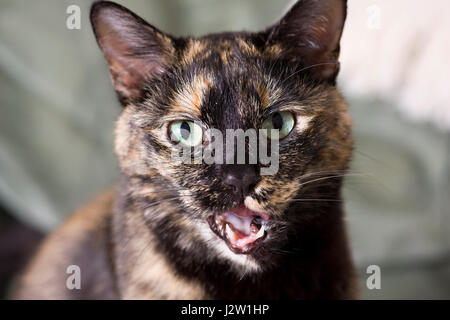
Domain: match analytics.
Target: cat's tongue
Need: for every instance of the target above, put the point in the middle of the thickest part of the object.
(243, 226)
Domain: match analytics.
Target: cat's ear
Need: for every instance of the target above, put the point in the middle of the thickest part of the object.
(134, 50)
(310, 33)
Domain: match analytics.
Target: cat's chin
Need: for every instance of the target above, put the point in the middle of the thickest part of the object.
(242, 229)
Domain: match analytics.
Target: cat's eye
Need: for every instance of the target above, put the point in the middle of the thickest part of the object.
(282, 121)
(187, 132)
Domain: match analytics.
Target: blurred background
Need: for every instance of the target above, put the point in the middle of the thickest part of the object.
(57, 113)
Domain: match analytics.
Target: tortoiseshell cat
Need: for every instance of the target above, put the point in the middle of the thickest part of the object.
(217, 231)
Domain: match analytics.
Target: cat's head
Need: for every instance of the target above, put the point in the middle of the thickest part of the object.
(177, 92)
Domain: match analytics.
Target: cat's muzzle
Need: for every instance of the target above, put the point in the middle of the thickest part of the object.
(242, 229)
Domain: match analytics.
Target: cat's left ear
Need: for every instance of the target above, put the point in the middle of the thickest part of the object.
(309, 34)
(135, 50)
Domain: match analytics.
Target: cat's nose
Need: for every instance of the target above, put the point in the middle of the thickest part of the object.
(242, 178)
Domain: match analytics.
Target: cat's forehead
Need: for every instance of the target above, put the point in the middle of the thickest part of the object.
(225, 76)
(228, 47)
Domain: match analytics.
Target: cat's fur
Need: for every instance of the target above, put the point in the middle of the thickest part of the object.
(149, 239)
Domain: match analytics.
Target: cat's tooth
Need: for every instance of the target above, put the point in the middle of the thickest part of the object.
(219, 226)
(260, 232)
(230, 233)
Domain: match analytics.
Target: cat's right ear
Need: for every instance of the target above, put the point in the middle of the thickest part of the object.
(135, 51)
(309, 33)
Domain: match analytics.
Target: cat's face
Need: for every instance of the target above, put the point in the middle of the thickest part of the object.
(175, 91)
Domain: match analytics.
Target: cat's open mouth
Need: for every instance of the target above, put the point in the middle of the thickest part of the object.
(241, 228)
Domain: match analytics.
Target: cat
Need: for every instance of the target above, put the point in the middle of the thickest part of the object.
(215, 231)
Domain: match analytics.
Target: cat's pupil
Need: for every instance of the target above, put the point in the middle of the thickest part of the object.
(277, 121)
(185, 130)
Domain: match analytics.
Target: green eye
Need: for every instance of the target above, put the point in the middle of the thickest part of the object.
(187, 132)
(281, 121)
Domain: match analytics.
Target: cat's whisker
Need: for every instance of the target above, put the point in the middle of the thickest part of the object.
(315, 200)
(155, 203)
(326, 178)
(149, 194)
(333, 177)
(314, 173)
(309, 67)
